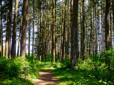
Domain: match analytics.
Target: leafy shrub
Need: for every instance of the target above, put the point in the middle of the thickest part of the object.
(4, 65)
(110, 54)
(13, 68)
(65, 64)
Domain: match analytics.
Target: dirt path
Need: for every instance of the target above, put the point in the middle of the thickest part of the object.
(46, 78)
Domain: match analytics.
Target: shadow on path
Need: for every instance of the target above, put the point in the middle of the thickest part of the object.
(46, 78)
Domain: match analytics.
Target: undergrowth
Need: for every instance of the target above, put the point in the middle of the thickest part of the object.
(22, 70)
(92, 72)
(19, 71)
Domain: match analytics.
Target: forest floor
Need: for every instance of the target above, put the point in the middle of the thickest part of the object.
(46, 78)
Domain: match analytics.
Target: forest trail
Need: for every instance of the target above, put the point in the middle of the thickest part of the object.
(46, 78)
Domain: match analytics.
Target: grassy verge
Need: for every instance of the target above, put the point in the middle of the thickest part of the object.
(16, 81)
(93, 72)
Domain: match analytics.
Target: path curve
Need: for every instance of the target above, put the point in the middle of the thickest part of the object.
(46, 78)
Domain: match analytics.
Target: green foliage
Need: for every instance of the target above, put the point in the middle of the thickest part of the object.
(110, 57)
(92, 72)
(16, 81)
(13, 68)
(65, 64)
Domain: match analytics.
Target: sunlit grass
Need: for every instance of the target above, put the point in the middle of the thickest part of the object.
(16, 81)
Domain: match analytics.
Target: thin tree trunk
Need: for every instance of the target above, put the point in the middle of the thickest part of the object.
(95, 30)
(68, 33)
(13, 51)
(83, 24)
(91, 35)
(40, 47)
(29, 38)
(81, 8)
(45, 32)
(0, 29)
(33, 31)
(113, 18)
(38, 51)
(50, 38)
(53, 31)
(19, 41)
(2, 36)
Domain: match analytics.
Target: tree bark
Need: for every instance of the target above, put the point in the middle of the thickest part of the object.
(91, 35)
(107, 40)
(95, 43)
(24, 28)
(29, 38)
(13, 51)
(0, 30)
(19, 41)
(66, 30)
(74, 35)
(53, 31)
(40, 47)
(33, 30)
(8, 31)
(62, 35)
(45, 32)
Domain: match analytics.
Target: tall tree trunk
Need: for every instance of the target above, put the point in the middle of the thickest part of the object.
(83, 27)
(66, 29)
(81, 8)
(107, 40)
(74, 35)
(19, 41)
(38, 38)
(62, 35)
(2, 38)
(55, 33)
(24, 28)
(29, 38)
(95, 43)
(50, 45)
(13, 51)
(91, 35)
(8, 31)
(53, 30)
(81, 39)
(112, 29)
(40, 47)
(0, 29)
(33, 30)
(45, 32)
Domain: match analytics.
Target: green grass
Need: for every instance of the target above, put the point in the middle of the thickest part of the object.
(80, 77)
(16, 81)
(92, 72)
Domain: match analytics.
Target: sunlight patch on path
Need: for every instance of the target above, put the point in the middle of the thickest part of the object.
(46, 78)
